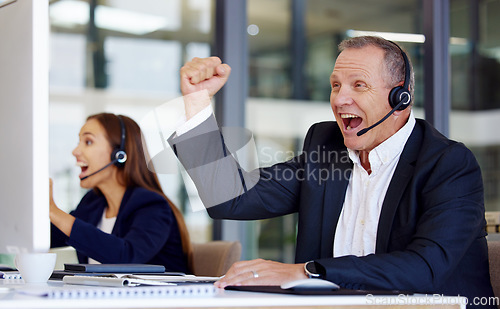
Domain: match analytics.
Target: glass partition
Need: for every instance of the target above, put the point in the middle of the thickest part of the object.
(475, 55)
(120, 56)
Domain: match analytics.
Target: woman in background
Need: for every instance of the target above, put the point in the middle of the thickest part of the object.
(126, 217)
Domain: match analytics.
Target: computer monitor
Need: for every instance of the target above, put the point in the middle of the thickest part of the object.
(24, 82)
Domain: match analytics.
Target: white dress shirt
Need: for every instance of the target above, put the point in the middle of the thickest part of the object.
(356, 232)
(184, 125)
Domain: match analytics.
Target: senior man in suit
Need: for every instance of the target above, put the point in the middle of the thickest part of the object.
(384, 200)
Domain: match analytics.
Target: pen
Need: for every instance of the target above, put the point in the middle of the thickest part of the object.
(107, 281)
(96, 281)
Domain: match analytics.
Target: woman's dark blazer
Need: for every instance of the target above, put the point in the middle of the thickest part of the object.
(145, 231)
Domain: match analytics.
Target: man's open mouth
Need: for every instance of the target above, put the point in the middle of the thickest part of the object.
(351, 121)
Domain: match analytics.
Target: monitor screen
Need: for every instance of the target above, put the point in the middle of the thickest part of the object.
(24, 196)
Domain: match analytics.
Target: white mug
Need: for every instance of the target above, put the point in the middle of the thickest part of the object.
(35, 267)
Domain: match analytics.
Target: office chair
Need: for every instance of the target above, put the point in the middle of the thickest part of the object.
(214, 258)
(64, 255)
(494, 258)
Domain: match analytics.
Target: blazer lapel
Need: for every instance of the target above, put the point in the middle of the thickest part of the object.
(332, 206)
(402, 176)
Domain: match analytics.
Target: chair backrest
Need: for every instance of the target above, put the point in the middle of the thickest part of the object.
(214, 258)
(64, 255)
(494, 259)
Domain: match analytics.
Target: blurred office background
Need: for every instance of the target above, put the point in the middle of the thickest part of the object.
(123, 56)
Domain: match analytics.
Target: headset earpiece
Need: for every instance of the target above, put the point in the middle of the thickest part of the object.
(119, 156)
(397, 95)
(401, 94)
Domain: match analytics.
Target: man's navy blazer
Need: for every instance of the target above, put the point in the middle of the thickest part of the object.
(431, 231)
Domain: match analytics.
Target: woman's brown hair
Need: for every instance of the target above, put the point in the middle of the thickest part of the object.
(135, 172)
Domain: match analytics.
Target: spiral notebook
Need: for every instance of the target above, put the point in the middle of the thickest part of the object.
(10, 275)
(123, 292)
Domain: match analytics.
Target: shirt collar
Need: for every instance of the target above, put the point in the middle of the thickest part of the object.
(388, 149)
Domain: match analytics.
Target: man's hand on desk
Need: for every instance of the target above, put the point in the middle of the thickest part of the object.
(200, 75)
(261, 272)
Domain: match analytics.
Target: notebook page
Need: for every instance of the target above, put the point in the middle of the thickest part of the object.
(70, 291)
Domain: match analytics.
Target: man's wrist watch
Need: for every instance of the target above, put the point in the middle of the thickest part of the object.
(311, 270)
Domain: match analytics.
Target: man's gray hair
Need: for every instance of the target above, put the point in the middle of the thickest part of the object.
(393, 60)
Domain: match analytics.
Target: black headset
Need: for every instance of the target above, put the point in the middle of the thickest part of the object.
(401, 94)
(119, 156)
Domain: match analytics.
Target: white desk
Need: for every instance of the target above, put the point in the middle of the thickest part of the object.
(221, 299)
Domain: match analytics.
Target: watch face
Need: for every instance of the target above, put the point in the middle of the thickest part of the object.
(311, 268)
